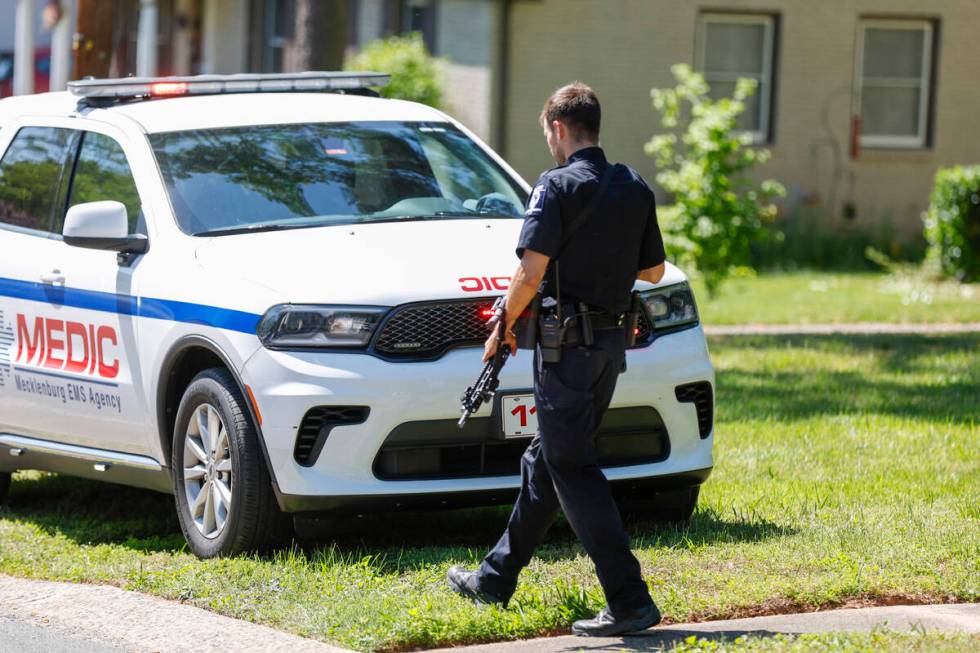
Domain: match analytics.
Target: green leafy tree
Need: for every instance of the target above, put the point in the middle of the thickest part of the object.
(415, 74)
(719, 210)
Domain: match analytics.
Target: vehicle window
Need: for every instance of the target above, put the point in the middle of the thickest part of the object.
(32, 173)
(102, 173)
(285, 176)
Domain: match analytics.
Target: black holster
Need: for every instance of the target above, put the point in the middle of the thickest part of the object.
(526, 326)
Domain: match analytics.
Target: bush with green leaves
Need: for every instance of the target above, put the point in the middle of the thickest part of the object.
(415, 74)
(718, 210)
(952, 223)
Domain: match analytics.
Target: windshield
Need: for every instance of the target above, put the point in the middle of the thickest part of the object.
(289, 176)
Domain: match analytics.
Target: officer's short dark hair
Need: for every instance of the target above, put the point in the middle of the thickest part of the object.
(577, 106)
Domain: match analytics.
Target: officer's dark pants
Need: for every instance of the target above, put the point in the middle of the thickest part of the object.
(559, 469)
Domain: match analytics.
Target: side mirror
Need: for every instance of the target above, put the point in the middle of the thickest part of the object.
(103, 225)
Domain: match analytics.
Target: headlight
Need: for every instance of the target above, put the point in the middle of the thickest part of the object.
(299, 325)
(671, 306)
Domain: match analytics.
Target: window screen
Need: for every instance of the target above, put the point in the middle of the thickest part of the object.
(32, 175)
(739, 45)
(894, 82)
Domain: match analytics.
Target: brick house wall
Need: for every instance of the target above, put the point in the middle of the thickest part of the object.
(624, 47)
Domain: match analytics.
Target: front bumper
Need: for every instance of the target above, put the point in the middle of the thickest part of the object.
(288, 384)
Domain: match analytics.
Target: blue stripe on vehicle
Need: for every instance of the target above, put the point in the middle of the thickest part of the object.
(80, 379)
(149, 307)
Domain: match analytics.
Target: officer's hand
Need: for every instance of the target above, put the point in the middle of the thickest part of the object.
(490, 346)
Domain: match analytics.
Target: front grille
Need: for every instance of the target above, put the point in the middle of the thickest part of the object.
(316, 426)
(419, 331)
(699, 394)
(428, 330)
(438, 449)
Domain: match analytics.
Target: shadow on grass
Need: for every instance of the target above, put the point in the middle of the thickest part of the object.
(882, 388)
(661, 639)
(89, 512)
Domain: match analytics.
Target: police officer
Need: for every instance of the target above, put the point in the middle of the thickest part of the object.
(617, 243)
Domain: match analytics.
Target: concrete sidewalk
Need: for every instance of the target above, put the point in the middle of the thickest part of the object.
(47, 617)
(950, 618)
(44, 616)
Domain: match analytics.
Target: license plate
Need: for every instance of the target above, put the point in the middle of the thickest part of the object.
(520, 416)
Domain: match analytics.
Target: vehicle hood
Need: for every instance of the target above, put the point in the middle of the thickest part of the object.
(380, 264)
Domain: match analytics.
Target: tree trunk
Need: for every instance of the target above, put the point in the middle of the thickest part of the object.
(93, 50)
(321, 34)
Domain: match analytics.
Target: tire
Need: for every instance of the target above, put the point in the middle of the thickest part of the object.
(667, 507)
(241, 514)
(4, 486)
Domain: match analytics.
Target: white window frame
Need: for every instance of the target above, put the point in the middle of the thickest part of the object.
(764, 79)
(923, 83)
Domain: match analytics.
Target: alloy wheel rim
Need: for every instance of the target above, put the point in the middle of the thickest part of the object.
(207, 471)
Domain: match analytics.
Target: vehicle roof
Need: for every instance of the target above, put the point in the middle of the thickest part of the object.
(228, 110)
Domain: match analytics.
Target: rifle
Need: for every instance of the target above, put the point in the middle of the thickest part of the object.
(486, 384)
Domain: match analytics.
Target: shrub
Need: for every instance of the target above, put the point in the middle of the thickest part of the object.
(718, 210)
(415, 74)
(952, 223)
(805, 238)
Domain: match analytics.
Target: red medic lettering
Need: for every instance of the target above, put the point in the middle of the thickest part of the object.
(53, 344)
(76, 332)
(24, 338)
(69, 346)
(107, 371)
(484, 284)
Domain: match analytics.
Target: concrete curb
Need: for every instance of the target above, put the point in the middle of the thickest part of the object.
(854, 328)
(136, 622)
(101, 618)
(964, 617)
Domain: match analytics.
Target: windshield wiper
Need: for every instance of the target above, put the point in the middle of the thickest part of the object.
(438, 215)
(278, 226)
(248, 229)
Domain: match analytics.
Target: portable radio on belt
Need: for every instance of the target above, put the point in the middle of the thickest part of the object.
(551, 332)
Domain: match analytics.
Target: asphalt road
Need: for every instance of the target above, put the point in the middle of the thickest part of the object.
(25, 637)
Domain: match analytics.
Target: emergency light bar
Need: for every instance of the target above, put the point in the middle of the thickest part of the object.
(129, 88)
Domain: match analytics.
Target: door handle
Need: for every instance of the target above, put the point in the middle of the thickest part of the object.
(53, 277)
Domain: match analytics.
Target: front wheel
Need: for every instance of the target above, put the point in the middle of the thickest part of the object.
(225, 501)
(669, 506)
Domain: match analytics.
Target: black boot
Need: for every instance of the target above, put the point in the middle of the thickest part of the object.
(605, 624)
(466, 583)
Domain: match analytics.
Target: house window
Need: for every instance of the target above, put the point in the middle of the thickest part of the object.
(407, 16)
(731, 46)
(893, 82)
(280, 20)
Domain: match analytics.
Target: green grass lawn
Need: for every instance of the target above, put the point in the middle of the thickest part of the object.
(846, 470)
(820, 297)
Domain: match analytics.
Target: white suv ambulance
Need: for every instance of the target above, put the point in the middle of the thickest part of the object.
(264, 294)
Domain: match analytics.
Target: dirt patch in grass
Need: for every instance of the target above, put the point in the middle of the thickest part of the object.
(783, 605)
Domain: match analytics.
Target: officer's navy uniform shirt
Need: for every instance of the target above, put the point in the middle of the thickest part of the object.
(621, 237)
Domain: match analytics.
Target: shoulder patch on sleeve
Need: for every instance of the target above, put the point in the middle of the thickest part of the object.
(536, 202)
